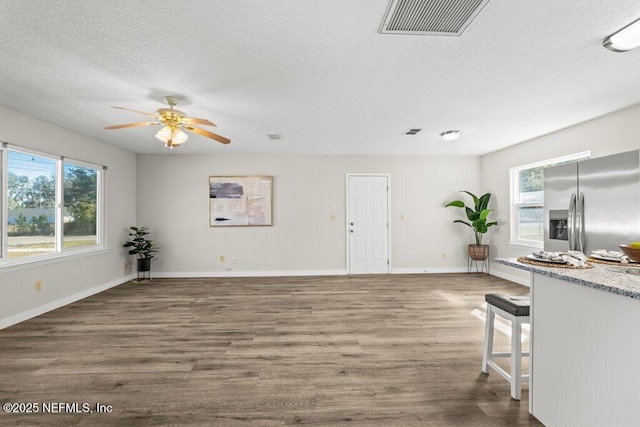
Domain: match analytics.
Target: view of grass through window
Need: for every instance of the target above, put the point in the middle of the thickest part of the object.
(31, 220)
(31, 200)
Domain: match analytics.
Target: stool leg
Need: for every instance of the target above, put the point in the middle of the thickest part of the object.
(487, 348)
(516, 358)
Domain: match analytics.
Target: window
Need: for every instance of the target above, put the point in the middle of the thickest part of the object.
(31, 201)
(51, 205)
(527, 199)
(80, 222)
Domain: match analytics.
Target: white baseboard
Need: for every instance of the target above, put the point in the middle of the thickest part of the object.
(429, 270)
(171, 275)
(284, 273)
(37, 311)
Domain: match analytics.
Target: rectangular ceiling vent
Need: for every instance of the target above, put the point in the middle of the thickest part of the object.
(275, 136)
(430, 17)
(412, 131)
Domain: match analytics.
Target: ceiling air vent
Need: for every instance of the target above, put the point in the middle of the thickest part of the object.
(412, 131)
(431, 17)
(274, 136)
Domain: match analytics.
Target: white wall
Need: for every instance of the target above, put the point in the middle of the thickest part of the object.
(614, 133)
(67, 280)
(308, 190)
(169, 193)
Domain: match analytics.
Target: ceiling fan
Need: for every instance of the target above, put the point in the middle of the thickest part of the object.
(174, 122)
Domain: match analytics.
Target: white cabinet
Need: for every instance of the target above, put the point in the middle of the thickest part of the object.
(585, 364)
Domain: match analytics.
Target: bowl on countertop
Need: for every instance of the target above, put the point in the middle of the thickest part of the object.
(632, 253)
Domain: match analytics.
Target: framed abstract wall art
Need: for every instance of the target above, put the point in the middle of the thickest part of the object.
(240, 201)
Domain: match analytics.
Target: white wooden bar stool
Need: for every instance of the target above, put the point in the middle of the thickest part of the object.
(516, 309)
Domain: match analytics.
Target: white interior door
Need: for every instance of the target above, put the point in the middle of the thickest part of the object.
(368, 224)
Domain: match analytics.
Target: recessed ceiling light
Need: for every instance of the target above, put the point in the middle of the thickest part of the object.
(412, 131)
(450, 135)
(625, 39)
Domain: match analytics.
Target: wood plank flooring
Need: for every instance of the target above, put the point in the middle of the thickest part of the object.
(384, 350)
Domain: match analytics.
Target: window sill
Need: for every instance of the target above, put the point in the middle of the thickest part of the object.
(21, 264)
(525, 245)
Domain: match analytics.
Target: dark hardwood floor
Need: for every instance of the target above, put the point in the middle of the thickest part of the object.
(389, 350)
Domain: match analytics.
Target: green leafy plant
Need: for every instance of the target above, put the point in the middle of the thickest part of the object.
(477, 216)
(139, 245)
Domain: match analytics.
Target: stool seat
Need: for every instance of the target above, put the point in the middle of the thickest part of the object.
(514, 308)
(516, 305)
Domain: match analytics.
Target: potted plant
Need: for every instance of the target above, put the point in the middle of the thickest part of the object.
(477, 217)
(141, 246)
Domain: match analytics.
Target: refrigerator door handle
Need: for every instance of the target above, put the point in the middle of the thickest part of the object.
(571, 226)
(580, 222)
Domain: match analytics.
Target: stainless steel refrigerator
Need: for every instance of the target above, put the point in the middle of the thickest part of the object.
(592, 204)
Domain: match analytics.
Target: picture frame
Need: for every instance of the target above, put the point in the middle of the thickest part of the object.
(241, 201)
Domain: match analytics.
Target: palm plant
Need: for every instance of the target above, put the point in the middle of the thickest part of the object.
(477, 216)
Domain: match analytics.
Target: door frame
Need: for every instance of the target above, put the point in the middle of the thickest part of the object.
(346, 222)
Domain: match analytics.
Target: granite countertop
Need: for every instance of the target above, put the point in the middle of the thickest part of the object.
(607, 278)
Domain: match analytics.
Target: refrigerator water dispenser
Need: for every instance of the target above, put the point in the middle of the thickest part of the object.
(558, 220)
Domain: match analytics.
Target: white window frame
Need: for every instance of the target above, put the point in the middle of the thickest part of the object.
(7, 264)
(514, 192)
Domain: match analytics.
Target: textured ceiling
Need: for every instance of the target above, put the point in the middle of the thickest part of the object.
(316, 71)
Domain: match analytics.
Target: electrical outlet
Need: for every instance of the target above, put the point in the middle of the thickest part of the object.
(38, 285)
(221, 258)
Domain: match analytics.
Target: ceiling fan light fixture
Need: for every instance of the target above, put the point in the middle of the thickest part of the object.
(174, 123)
(625, 39)
(164, 134)
(450, 135)
(171, 136)
(178, 136)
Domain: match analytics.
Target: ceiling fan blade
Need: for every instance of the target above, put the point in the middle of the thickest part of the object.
(136, 111)
(208, 134)
(194, 121)
(130, 125)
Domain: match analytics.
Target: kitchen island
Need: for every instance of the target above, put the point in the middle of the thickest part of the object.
(585, 344)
